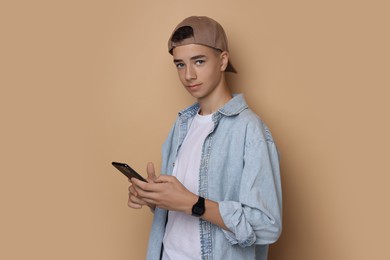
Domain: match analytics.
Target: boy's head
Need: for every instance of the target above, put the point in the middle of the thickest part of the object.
(200, 30)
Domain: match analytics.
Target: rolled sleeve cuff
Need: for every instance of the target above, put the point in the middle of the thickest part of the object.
(241, 232)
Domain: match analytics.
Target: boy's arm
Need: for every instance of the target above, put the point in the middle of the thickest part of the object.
(168, 193)
(213, 215)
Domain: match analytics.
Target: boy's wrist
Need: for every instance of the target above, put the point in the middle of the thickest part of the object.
(191, 202)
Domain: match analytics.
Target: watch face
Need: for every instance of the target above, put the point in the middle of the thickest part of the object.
(199, 208)
(198, 211)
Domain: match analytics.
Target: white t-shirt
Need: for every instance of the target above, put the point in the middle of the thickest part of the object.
(182, 236)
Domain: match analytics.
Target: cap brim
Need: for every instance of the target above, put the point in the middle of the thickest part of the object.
(230, 68)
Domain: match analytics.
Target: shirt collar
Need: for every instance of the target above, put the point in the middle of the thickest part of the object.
(235, 106)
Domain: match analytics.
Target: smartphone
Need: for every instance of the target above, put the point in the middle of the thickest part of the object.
(128, 171)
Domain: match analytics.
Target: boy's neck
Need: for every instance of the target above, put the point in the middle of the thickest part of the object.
(214, 102)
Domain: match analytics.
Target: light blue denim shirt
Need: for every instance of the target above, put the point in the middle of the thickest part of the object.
(240, 170)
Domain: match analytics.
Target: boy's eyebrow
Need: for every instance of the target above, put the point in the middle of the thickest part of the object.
(192, 58)
(198, 57)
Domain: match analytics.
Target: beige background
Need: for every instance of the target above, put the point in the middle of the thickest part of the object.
(84, 83)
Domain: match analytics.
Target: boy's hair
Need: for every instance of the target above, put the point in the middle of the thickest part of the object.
(182, 33)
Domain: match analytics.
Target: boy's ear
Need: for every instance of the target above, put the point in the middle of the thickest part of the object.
(224, 60)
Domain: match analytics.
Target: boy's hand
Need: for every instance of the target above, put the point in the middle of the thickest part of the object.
(135, 201)
(164, 192)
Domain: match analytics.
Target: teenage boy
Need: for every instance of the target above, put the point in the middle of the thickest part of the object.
(219, 194)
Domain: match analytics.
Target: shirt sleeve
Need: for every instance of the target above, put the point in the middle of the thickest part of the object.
(257, 217)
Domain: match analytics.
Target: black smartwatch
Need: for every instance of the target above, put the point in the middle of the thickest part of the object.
(198, 209)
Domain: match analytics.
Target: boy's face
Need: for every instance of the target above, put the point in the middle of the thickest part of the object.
(200, 69)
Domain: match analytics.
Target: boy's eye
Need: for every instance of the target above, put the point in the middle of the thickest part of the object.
(199, 62)
(179, 65)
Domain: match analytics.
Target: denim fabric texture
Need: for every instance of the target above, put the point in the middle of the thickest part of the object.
(239, 170)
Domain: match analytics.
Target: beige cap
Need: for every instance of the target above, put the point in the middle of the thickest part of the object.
(206, 31)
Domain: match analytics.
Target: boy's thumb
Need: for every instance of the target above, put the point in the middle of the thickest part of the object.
(150, 171)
